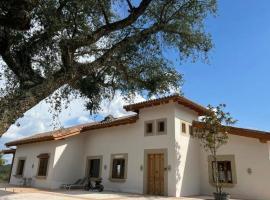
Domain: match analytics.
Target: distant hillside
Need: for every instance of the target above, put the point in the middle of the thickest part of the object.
(4, 172)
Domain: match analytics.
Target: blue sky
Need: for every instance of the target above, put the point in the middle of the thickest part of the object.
(237, 75)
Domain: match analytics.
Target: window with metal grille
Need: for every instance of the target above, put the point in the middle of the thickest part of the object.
(20, 167)
(118, 168)
(43, 166)
(224, 171)
(94, 168)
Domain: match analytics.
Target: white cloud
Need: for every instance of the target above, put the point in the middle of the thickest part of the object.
(83, 119)
(39, 119)
(115, 106)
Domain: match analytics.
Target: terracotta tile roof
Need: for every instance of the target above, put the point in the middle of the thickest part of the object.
(164, 100)
(71, 131)
(8, 151)
(116, 122)
(263, 136)
(75, 130)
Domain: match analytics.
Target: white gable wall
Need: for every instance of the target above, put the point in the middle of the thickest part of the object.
(63, 162)
(30, 152)
(187, 154)
(249, 153)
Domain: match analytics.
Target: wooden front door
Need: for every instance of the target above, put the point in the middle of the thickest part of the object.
(155, 174)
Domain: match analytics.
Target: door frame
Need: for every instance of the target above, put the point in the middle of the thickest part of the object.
(145, 171)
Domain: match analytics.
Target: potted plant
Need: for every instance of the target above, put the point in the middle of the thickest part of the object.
(212, 132)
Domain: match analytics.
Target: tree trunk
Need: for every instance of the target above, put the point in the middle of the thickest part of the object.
(14, 105)
(216, 175)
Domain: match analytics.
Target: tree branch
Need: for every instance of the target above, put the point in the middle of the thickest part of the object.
(15, 104)
(106, 29)
(85, 67)
(131, 7)
(19, 62)
(104, 13)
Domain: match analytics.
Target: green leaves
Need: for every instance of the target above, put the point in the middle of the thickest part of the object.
(99, 46)
(214, 128)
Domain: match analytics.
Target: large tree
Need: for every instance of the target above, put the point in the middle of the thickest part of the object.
(95, 47)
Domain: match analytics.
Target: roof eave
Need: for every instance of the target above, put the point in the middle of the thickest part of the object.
(8, 151)
(262, 136)
(28, 141)
(119, 122)
(62, 135)
(176, 98)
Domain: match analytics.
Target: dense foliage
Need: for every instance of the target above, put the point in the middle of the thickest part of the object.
(92, 48)
(15, 13)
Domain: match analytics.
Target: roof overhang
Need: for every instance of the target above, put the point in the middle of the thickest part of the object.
(201, 110)
(72, 131)
(262, 136)
(116, 122)
(8, 151)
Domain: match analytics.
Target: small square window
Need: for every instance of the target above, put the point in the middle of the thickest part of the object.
(161, 126)
(184, 129)
(149, 128)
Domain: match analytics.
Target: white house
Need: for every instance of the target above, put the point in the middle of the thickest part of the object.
(149, 152)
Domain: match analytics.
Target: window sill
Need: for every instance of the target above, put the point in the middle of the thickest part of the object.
(149, 134)
(225, 185)
(95, 178)
(117, 180)
(18, 176)
(184, 134)
(161, 133)
(41, 177)
(155, 134)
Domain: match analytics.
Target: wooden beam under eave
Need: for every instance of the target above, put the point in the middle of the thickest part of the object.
(156, 104)
(263, 140)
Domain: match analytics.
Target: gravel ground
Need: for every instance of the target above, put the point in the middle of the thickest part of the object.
(80, 195)
(53, 196)
(8, 192)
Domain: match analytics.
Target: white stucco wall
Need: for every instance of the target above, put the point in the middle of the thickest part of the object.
(67, 166)
(188, 174)
(68, 157)
(187, 155)
(130, 139)
(249, 153)
(30, 152)
(63, 162)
